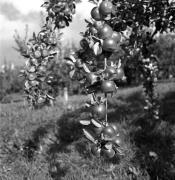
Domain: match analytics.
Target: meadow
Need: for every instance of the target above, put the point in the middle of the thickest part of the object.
(48, 143)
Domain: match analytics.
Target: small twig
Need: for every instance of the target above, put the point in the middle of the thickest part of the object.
(106, 104)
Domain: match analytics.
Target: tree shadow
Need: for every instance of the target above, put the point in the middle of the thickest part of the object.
(167, 108)
(154, 140)
(127, 111)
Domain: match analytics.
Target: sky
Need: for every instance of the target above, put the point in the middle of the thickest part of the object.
(16, 14)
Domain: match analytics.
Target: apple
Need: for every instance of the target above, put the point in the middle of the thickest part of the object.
(32, 76)
(96, 151)
(108, 86)
(56, 9)
(31, 69)
(61, 24)
(117, 140)
(84, 44)
(105, 32)
(108, 132)
(34, 83)
(108, 153)
(45, 52)
(34, 61)
(67, 10)
(105, 8)
(98, 25)
(116, 36)
(93, 30)
(37, 54)
(109, 71)
(109, 44)
(41, 100)
(99, 110)
(95, 14)
(119, 74)
(114, 126)
(98, 130)
(52, 40)
(91, 77)
(42, 69)
(78, 63)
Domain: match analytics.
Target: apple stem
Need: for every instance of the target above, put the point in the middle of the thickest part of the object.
(106, 103)
(106, 96)
(105, 63)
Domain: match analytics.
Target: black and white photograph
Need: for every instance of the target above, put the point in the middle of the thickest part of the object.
(87, 90)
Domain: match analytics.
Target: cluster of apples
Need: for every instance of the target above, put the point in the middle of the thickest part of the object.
(109, 39)
(60, 11)
(104, 81)
(38, 80)
(106, 139)
(109, 144)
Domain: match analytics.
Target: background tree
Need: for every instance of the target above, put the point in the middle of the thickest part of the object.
(164, 48)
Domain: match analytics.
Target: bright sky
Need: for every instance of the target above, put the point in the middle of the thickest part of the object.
(15, 14)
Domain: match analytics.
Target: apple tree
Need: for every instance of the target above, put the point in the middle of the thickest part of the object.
(41, 51)
(124, 29)
(118, 28)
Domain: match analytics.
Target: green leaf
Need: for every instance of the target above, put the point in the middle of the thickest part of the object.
(71, 73)
(96, 123)
(85, 122)
(50, 97)
(89, 136)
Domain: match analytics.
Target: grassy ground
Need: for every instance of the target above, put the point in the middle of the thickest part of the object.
(48, 143)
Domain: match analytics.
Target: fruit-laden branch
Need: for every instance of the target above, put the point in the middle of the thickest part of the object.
(41, 80)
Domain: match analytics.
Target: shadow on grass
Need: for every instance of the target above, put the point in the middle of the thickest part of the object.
(155, 140)
(149, 137)
(168, 108)
(127, 111)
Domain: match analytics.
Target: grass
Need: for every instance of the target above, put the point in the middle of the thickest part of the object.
(48, 143)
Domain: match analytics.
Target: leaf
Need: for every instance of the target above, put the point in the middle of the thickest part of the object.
(71, 73)
(82, 81)
(68, 58)
(22, 71)
(119, 64)
(97, 49)
(86, 68)
(97, 39)
(53, 52)
(72, 58)
(70, 63)
(32, 69)
(50, 97)
(27, 63)
(85, 122)
(27, 85)
(134, 171)
(87, 105)
(120, 151)
(88, 21)
(96, 123)
(89, 136)
(45, 4)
